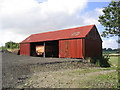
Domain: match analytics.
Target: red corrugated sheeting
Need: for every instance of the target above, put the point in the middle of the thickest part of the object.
(71, 48)
(78, 32)
(25, 49)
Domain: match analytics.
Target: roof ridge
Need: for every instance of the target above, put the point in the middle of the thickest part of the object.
(59, 34)
(63, 29)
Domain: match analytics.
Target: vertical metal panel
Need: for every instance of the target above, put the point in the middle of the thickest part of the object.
(70, 48)
(25, 49)
(83, 47)
(77, 47)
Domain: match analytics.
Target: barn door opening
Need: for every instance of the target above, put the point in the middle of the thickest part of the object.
(45, 49)
(52, 49)
(37, 49)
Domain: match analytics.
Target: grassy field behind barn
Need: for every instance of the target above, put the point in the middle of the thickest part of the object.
(109, 52)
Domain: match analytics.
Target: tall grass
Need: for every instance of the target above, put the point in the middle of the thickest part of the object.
(101, 61)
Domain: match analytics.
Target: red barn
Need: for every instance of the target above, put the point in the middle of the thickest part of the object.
(77, 42)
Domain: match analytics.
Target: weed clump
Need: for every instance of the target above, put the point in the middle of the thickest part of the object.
(101, 61)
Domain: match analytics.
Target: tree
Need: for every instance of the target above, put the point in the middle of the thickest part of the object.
(104, 49)
(111, 19)
(12, 45)
(109, 49)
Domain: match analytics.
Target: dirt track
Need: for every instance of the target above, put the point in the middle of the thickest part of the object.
(15, 69)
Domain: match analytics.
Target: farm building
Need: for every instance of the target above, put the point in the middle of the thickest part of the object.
(77, 42)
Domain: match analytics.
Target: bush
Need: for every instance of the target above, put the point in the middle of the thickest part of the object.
(12, 45)
(101, 61)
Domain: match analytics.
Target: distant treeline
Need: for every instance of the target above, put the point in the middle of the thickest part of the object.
(110, 49)
(11, 45)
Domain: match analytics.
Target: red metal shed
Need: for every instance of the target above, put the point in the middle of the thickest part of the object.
(77, 42)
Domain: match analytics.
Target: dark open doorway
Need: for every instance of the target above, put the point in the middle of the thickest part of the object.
(45, 49)
(52, 49)
(33, 49)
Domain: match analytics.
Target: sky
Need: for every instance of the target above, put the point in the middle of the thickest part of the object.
(21, 18)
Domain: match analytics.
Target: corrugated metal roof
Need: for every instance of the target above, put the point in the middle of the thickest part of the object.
(78, 32)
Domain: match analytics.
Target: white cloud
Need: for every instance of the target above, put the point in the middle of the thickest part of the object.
(64, 6)
(99, 11)
(93, 16)
(110, 43)
(100, 0)
(20, 18)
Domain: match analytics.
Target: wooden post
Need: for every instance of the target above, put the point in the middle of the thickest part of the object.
(44, 50)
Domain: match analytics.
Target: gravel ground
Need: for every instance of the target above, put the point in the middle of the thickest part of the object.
(16, 68)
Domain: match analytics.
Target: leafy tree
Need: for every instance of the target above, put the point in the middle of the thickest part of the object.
(109, 49)
(104, 49)
(118, 50)
(17, 45)
(12, 45)
(111, 19)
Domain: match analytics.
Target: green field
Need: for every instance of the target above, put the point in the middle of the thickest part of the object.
(114, 60)
(109, 52)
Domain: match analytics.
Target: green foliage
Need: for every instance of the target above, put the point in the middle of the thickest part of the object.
(118, 41)
(118, 51)
(66, 49)
(101, 61)
(12, 45)
(111, 19)
(3, 48)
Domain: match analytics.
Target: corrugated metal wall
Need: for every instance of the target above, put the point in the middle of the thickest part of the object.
(71, 48)
(93, 48)
(25, 49)
(93, 44)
